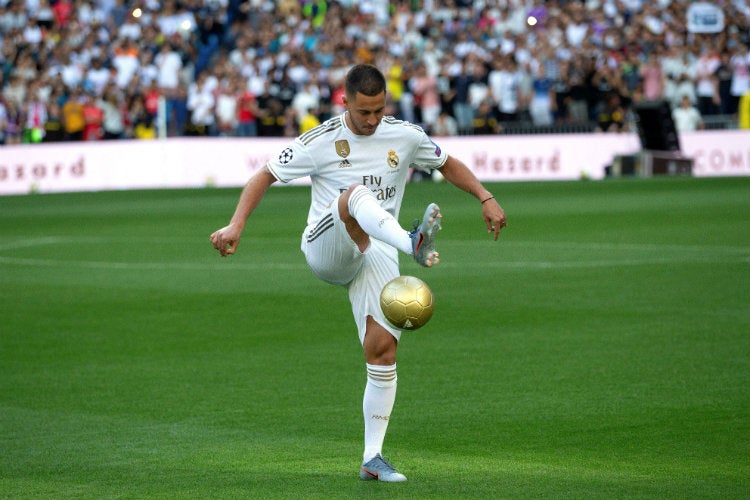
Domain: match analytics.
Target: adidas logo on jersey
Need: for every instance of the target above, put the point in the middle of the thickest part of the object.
(344, 164)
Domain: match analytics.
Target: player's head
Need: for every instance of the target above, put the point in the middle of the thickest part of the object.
(364, 79)
(364, 99)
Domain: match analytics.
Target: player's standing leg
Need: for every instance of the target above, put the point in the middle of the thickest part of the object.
(364, 218)
(380, 394)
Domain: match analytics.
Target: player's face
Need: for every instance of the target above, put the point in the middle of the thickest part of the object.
(364, 112)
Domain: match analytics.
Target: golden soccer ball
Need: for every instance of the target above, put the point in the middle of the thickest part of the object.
(407, 302)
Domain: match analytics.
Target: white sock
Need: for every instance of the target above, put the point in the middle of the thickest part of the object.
(376, 221)
(380, 394)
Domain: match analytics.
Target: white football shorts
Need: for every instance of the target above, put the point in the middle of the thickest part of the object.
(336, 259)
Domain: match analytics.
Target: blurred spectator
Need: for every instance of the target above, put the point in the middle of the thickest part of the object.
(653, 78)
(504, 82)
(93, 118)
(426, 95)
(541, 100)
(686, 117)
(247, 114)
(309, 120)
(479, 91)
(611, 115)
(460, 98)
(141, 122)
(576, 102)
(272, 121)
(45, 17)
(169, 63)
(125, 62)
(291, 123)
(53, 127)
(485, 122)
(284, 89)
(740, 64)
(32, 33)
(3, 121)
(97, 76)
(63, 11)
(113, 122)
(72, 116)
(630, 68)
(743, 112)
(706, 88)
(395, 83)
(14, 18)
(680, 86)
(151, 97)
(15, 91)
(681, 76)
(227, 109)
(576, 29)
(444, 126)
(13, 120)
(147, 72)
(35, 115)
(560, 94)
(307, 98)
(723, 76)
(201, 104)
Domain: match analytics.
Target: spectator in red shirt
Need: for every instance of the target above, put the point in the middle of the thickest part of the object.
(247, 113)
(93, 117)
(63, 11)
(151, 99)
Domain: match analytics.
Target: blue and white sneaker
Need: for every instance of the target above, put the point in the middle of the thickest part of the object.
(423, 236)
(377, 469)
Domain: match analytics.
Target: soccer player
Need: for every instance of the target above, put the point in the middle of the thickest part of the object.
(358, 163)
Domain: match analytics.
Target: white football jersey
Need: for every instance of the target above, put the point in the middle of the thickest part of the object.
(335, 158)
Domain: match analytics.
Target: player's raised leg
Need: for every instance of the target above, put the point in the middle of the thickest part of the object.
(360, 203)
(370, 219)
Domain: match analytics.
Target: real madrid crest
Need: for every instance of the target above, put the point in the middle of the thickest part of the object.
(393, 159)
(342, 148)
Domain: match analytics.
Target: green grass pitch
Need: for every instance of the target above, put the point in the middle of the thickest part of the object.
(600, 349)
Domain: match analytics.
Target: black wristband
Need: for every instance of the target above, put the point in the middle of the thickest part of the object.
(488, 199)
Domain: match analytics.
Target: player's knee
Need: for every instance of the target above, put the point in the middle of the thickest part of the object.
(379, 345)
(383, 355)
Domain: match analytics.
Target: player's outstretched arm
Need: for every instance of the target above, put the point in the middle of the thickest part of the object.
(226, 239)
(458, 174)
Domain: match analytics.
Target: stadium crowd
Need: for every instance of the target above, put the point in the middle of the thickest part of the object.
(110, 69)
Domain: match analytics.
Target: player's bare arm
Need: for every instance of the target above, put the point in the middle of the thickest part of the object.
(226, 239)
(458, 174)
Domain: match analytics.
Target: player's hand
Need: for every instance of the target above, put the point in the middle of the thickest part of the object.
(494, 217)
(226, 239)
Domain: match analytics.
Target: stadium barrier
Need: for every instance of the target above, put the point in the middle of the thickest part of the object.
(229, 162)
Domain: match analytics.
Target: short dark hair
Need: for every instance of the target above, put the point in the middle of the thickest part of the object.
(365, 79)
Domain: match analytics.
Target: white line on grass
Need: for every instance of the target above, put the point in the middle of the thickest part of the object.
(686, 254)
(185, 266)
(233, 266)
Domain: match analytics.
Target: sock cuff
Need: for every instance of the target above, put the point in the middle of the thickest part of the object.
(382, 376)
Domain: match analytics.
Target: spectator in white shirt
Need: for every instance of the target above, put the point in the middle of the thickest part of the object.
(169, 63)
(686, 117)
